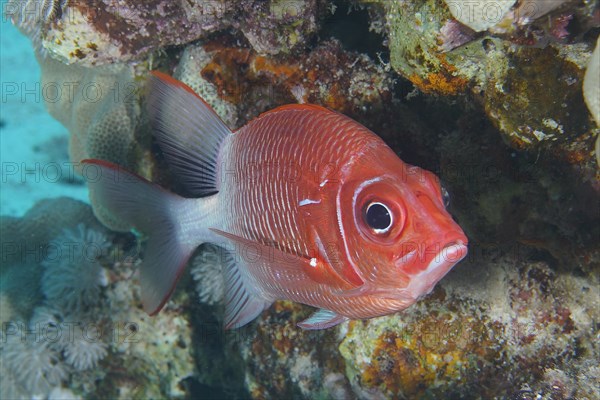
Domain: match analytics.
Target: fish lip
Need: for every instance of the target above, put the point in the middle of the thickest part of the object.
(457, 249)
(423, 283)
(452, 247)
(452, 253)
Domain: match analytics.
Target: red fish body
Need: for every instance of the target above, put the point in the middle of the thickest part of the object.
(312, 207)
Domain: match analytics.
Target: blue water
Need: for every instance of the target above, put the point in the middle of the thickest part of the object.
(33, 145)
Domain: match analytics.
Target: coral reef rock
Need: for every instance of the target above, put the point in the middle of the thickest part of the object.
(278, 26)
(517, 98)
(283, 361)
(481, 326)
(194, 60)
(328, 75)
(486, 331)
(108, 32)
(528, 76)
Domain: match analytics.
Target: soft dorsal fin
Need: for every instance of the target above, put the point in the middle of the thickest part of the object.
(188, 131)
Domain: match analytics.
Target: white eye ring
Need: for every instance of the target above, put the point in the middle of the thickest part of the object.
(378, 217)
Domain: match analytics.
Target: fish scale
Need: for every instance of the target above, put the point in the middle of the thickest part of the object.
(289, 197)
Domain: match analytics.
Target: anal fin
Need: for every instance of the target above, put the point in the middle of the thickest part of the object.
(243, 301)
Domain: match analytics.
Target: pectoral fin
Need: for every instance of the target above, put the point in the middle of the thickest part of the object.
(332, 270)
(289, 268)
(391, 293)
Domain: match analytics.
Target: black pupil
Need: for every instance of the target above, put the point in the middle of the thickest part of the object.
(378, 216)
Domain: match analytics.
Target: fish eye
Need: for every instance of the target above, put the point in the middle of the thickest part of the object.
(445, 197)
(378, 217)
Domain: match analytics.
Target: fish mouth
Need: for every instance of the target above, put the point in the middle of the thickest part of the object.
(423, 282)
(452, 251)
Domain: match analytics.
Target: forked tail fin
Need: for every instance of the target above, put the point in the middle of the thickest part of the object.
(155, 212)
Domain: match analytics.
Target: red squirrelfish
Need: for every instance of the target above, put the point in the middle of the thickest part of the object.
(314, 208)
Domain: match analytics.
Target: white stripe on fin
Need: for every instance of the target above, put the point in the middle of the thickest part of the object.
(188, 131)
(322, 319)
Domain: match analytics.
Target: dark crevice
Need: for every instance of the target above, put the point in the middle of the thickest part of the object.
(350, 25)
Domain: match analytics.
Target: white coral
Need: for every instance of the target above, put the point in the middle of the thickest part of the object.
(85, 348)
(206, 270)
(33, 367)
(73, 276)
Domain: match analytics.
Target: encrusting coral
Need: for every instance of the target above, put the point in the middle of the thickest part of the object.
(100, 108)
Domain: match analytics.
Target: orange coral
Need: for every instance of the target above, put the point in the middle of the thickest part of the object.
(442, 82)
(280, 71)
(446, 81)
(328, 76)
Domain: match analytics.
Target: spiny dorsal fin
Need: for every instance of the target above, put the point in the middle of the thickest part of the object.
(188, 131)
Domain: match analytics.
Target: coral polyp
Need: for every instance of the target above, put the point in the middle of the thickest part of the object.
(73, 275)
